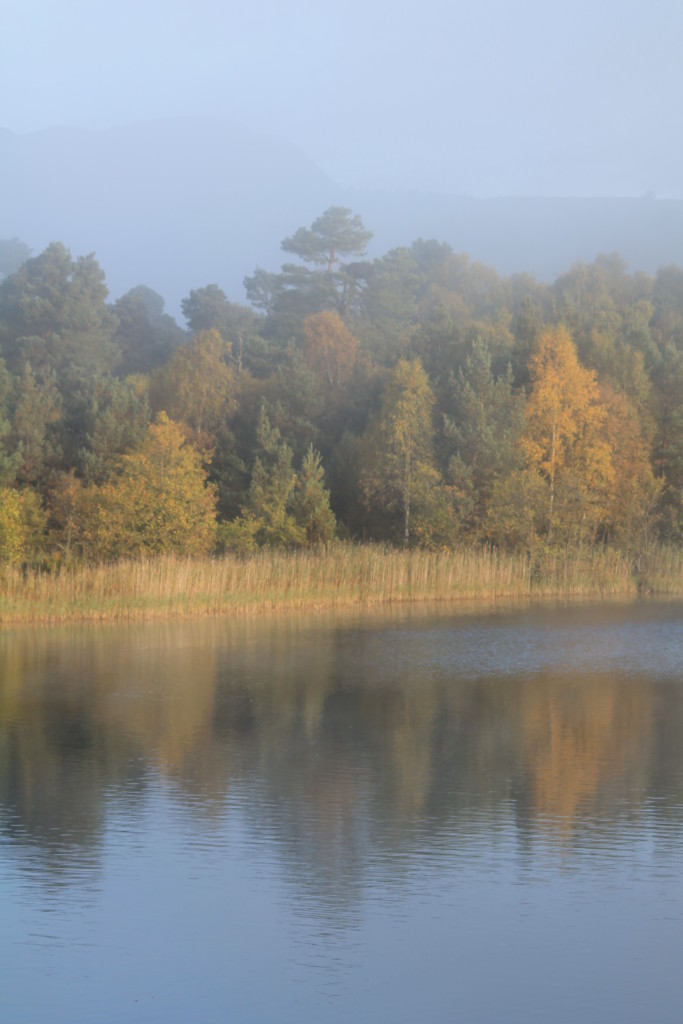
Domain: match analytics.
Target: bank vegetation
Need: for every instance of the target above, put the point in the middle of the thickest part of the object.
(411, 427)
(340, 576)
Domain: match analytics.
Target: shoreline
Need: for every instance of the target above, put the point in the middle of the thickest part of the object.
(344, 576)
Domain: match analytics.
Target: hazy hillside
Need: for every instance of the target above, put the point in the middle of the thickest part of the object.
(180, 203)
(174, 204)
(540, 236)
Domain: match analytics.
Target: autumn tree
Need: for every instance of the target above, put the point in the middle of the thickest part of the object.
(197, 387)
(22, 525)
(158, 501)
(634, 493)
(398, 472)
(564, 441)
(208, 309)
(12, 534)
(329, 347)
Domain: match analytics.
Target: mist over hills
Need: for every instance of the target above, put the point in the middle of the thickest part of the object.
(181, 203)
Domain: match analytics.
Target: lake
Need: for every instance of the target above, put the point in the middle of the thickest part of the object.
(419, 815)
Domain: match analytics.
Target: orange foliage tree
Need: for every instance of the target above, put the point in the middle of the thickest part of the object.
(564, 439)
(329, 346)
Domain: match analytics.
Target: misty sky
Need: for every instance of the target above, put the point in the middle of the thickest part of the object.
(493, 98)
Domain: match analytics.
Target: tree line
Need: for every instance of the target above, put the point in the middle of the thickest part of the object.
(417, 398)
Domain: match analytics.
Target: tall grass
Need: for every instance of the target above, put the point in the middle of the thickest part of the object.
(342, 575)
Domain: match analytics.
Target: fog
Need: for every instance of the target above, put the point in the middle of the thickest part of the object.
(181, 142)
(484, 100)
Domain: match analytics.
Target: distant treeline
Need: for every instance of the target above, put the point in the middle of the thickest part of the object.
(417, 399)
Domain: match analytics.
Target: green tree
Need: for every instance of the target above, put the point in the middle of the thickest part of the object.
(289, 297)
(72, 514)
(389, 310)
(146, 336)
(53, 313)
(115, 421)
(667, 301)
(37, 411)
(483, 433)
(668, 442)
(296, 402)
(335, 234)
(311, 504)
(10, 460)
(517, 512)
(328, 283)
(398, 471)
(272, 489)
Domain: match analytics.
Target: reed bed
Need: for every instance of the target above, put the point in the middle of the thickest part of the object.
(343, 575)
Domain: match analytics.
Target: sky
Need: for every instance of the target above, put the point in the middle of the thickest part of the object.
(501, 97)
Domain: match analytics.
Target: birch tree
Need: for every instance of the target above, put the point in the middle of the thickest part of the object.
(564, 440)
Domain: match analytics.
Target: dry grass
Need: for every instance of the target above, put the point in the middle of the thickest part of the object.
(342, 576)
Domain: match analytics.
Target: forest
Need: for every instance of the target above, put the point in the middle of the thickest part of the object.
(418, 399)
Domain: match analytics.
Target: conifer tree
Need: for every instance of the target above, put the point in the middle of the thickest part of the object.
(267, 514)
(311, 505)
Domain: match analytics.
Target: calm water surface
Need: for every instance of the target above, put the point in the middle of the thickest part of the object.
(422, 816)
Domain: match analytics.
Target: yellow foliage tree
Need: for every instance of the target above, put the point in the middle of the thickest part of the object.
(197, 387)
(22, 524)
(12, 539)
(564, 439)
(634, 492)
(159, 501)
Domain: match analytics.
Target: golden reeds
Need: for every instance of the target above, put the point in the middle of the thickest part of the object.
(342, 575)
